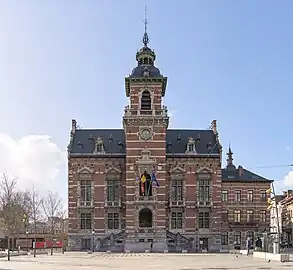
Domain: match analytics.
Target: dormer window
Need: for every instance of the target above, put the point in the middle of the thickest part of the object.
(99, 149)
(191, 145)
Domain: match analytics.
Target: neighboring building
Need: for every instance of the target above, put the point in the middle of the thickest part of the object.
(286, 219)
(276, 214)
(197, 205)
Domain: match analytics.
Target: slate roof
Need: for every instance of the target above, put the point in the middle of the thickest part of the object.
(240, 174)
(139, 70)
(114, 141)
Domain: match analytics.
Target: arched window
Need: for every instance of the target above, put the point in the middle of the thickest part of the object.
(145, 188)
(145, 218)
(146, 102)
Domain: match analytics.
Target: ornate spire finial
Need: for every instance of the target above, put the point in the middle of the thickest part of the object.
(230, 158)
(145, 39)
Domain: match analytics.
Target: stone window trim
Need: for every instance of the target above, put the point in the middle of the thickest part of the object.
(113, 174)
(225, 195)
(191, 146)
(237, 195)
(178, 174)
(99, 146)
(84, 174)
(204, 219)
(177, 212)
(249, 216)
(140, 93)
(204, 176)
(237, 216)
(250, 195)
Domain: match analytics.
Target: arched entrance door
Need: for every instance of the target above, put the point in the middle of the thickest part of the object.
(145, 218)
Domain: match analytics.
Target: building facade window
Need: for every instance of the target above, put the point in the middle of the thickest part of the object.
(191, 147)
(85, 221)
(224, 239)
(250, 235)
(146, 101)
(250, 195)
(113, 221)
(263, 195)
(112, 181)
(224, 195)
(263, 216)
(176, 190)
(204, 187)
(237, 195)
(99, 148)
(225, 216)
(249, 216)
(176, 220)
(237, 216)
(85, 191)
(237, 238)
(204, 220)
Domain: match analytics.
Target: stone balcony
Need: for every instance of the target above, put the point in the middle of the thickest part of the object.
(131, 112)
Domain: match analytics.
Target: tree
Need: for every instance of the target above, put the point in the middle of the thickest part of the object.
(35, 202)
(52, 206)
(14, 207)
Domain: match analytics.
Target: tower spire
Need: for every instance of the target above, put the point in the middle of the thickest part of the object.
(145, 38)
(230, 158)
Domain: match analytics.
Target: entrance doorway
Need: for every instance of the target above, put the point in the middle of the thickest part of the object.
(86, 244)
(145, 218)
(204, 244)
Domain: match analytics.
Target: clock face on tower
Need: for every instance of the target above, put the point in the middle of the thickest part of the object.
(145, 133)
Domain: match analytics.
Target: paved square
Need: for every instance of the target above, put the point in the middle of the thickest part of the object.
(139, 261)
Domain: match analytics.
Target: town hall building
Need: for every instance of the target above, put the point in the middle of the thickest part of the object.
(149, 187)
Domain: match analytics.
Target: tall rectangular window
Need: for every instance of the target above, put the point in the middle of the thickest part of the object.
(176, 190)
(263, 217)
(176, 220)
(250, 195)
(112, 190)
(237, 238)
(237, 216)
(263, 195)
(249, 216)
(224, 195)
(224, 239)
(85, 221)
(204, 183)
(225, 216)
(85, 189)
(237, 195)
(204, 220)
(113, 221)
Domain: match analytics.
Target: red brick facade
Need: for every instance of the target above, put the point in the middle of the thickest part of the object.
(186, 211)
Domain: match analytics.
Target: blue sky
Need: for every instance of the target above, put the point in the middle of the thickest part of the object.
(225, 60)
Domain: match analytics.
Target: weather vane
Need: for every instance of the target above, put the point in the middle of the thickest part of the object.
(145, 39)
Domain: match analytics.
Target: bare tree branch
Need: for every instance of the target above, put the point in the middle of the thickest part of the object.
(35, 201)
(14, 206)
(52, 206)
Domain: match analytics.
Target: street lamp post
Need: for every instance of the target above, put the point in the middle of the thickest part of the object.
(26, 240)
(93, 233)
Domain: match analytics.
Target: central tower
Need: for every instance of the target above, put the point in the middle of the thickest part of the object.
(145, 123)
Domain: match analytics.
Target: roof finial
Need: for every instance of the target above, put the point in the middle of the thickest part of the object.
(230, 158)
(145, 39)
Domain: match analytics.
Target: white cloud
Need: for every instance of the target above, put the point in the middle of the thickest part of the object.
(288, 179)
(34, 159)
(288, 147)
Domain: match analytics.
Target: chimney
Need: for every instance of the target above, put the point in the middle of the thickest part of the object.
(240, 170)
(214, 126)
(73, 127)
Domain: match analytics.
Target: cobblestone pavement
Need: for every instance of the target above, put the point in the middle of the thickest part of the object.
(139, 261)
